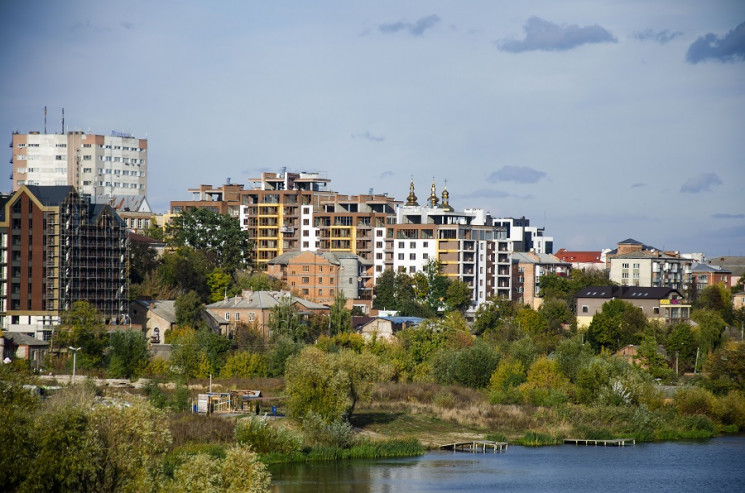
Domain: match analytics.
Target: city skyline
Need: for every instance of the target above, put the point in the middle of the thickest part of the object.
(598, 121)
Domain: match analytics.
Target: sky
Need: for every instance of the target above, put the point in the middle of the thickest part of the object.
(598, 120)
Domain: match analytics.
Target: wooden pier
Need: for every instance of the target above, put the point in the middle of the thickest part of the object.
(615, 442)
(475, 446)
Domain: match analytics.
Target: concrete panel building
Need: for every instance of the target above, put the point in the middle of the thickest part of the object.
(111, 165)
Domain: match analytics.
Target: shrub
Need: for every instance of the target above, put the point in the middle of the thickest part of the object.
(244, 364)
(695, 400)
(336, 434)
(265, 439)
(445, 400)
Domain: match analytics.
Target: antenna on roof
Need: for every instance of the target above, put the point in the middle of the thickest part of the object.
(45, 119)
(63, 121)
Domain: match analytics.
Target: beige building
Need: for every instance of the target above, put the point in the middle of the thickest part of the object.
(657, 303)
(96, 165)
(253, 308)
(527, 270)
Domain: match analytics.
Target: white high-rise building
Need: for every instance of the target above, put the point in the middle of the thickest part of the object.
(111, 165)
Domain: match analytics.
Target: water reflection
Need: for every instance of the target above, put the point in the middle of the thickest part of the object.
(713, 465)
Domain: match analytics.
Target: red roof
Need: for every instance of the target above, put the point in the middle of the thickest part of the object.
(580, 257)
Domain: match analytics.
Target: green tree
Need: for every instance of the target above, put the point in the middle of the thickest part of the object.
(218, 282)
(458, 296)
(240, 470)
(726, 367)
(490, 316)
(244, 364)
(385, 298)
(618, 324)
(571, 355)
(143, 259)
(362, 372)
(716, 298)
(682, 342)
(219, 235)
(709, 329)
(314, 384)
(186, 269)
(257, 281)
(284, 321)
(128, 354)
(340, 317)
(82, 326)
(189, 310)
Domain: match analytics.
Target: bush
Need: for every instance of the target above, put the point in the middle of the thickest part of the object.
(239, 470)
(695, 400)
(244, 364)
(445, 400)
(265, 439)
(336, 434)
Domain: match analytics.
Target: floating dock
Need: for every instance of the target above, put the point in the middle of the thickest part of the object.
(475, 446)
(615, 442)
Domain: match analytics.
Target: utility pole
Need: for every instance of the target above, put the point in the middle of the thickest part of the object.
(74, 361)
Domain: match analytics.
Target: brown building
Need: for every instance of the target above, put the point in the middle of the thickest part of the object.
(705, 275)
(58, 248)
(320, 277)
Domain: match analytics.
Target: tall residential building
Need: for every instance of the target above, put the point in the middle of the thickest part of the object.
(468, 245)
(96, 165)
(56, 247)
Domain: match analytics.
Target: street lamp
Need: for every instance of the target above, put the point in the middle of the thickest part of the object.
(74, 361)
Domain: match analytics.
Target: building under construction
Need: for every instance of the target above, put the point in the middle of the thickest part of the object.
(57, 248)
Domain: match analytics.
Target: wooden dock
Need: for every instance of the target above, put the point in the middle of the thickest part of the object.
(475, 446)
(615, 442)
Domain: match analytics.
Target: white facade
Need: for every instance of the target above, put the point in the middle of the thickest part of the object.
(648, 270)
(94, 164)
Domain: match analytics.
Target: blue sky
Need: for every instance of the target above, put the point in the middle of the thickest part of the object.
(600, 120)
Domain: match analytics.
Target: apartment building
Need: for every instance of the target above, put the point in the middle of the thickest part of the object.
(651, 269)
(111, 165)
(705, 275)
(56, 247)
(524, 237)
(468, 245)
(321, 276)
(527, 270)
(224, 199)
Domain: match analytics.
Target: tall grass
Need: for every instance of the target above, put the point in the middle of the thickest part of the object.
(362, 450)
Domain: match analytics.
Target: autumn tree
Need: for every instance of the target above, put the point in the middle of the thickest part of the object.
(619, 323)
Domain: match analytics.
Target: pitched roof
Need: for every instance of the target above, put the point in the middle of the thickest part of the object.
(165, 309)
(264, 300)
(331, 257)
(21, 339)
(709, 268)
(735, 264)
(133, 203)
(626, 292)
(579, 256)
(50, 195)
(535, 258)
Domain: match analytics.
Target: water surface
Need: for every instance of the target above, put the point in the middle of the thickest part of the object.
(716, 465)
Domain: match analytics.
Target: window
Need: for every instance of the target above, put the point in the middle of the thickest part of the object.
(305, 291)
(320, 280)
(425, 256)
(378, 256)
(305, 280)
(585, 309)
(305, 244)
(636, 266)
(412, 269)
(379, 244)
(227, 316)
(625, 275)
(331, 292)
(320, 292)
(412, 244)
(306, 268)
(401, 244)
(306, 222)
(86, 145)
(400, 256)
(624, 266)
(379, 233)
(656, 310)
(251, 317)
(425, 244)
(87, 157)
(412, 256)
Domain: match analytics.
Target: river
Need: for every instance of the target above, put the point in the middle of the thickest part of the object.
(716, 465)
